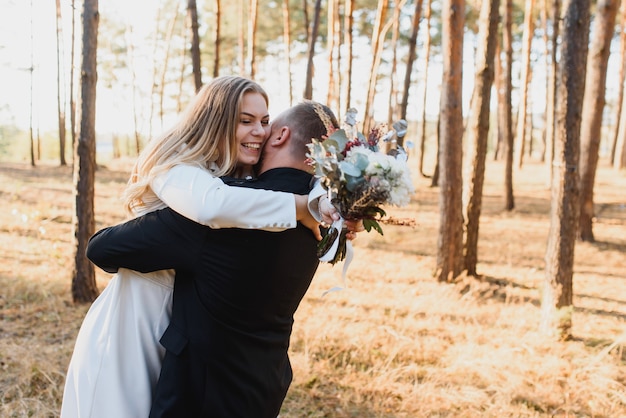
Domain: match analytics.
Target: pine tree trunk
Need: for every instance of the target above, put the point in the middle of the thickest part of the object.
(620, 150)
(393, 103)
(557, 301)
(546, 43)
(378, 37)
(241, 50)
(497, 78)
(192, 12)
(156, 65)
(347, 78)
(218, 37)
(552, 87)
(308, 89)
(72, 66)
(427, 42)
(287, 43)
(252, 23)
(183, 66)
(133, 73)
(450, 238)
(60, 84)
(593, 107)
(330, 48)
(84, 289)
(622, 75)
(529, 28)
(31, 70)
(619, 161)
(306, 22)
(413, 54)
(505, 112)
(478, 128)
(164, 65)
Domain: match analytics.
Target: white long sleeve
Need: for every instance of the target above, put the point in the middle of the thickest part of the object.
(196, 194)
(314, 200)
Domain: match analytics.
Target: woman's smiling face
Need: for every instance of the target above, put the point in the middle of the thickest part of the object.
(253, 128)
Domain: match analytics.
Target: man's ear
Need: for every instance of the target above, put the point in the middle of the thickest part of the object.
(281, 137)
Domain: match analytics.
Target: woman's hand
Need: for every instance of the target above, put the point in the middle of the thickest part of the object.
(329, 214)
(328, 211)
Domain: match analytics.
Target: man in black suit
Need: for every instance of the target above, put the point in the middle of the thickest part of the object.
(235, 291)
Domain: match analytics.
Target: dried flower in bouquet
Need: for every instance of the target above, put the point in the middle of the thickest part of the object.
(360, 180)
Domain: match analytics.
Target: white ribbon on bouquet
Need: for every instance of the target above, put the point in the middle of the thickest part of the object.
(330, 254)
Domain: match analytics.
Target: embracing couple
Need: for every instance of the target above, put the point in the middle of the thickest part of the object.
(221, 249)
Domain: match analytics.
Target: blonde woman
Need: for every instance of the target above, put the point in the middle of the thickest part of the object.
(117, 356)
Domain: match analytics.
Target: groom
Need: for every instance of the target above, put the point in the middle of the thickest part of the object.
(235, 291)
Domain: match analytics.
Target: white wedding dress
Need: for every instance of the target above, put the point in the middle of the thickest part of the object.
(117, 356)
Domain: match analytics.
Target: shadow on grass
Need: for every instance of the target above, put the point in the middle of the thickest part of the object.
(619, 247)
(492, 288)
(28, 174)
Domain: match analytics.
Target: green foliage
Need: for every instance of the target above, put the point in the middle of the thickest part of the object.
(370, 224)
(7, 135)
(14, 143)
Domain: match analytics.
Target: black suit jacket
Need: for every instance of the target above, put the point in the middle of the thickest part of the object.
(235, 294)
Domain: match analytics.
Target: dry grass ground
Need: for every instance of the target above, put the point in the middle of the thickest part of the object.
(395, 343)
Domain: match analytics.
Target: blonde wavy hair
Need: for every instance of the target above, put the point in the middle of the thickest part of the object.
(204, 136)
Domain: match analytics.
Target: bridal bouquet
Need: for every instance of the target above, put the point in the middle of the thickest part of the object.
(360, 180)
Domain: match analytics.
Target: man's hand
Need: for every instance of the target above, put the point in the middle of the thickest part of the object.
(304, 216)
(354, 227)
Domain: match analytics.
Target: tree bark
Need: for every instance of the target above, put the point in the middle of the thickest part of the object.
(413, 55)
(84, 289)
(183, 66)
(450, 237)
(529, 28)
(565, 205)
(393, 102)
(60, 84)
(434, 181)
(546, 42)
(306, 22)
(552, 87)
(287, 43)
(347, 78)
(72, 66)
(192, 12)
(505, 112)
(620, 153)
(241, 51)
(378, 37)
(330, 48)
(157, 64)
(218, 37)
(622, 76)
(498, 79)
(593, 107)
(620, 150)
(427, 42)
(133, 73)
(252, 24)
(478, 128)
(31, 70)
(164, 65)
(308, 89)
